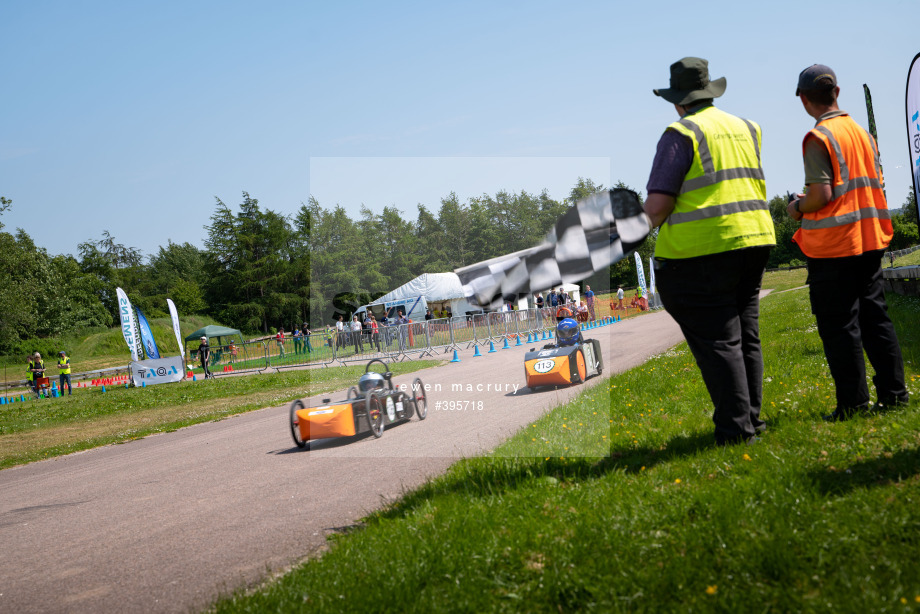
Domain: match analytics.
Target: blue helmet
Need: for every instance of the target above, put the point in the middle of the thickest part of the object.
(567, 332)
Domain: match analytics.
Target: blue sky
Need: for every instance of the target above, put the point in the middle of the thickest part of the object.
(133, 117)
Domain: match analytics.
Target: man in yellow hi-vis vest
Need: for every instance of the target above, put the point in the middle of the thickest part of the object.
(707, 193)
(845, 229)
(63, 365)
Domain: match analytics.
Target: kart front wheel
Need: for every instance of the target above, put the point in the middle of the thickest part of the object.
(419, 400)
(374, 411)
(295, 424)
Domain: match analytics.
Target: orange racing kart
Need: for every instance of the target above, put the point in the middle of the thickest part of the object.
(571, 360)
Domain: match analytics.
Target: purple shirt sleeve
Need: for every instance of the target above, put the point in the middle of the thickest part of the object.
(672, 161)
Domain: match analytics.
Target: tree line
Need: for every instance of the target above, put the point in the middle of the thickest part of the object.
(260, 269)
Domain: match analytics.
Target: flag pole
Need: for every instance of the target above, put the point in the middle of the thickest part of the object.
(873, 131)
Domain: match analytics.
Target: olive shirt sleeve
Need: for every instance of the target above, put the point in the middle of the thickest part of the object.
(818, 166)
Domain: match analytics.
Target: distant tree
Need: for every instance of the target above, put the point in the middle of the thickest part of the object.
(5, 203)
(909, 208)
(582, 189)
(248, 267)
(786, 252)
(42, 296)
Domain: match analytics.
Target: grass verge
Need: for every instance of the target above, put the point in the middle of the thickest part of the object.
(39, 429)
(815, 517)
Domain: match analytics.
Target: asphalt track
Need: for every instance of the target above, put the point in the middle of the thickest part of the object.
(171, 522)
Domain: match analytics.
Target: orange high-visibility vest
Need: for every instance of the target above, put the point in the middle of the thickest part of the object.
(857, 218)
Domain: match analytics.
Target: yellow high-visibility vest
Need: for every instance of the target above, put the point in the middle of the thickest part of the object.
(722, 205)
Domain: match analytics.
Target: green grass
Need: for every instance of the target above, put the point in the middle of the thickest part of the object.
(102, 348)
(911, 259)
(784, 280)
(37, 429)
(816, 517)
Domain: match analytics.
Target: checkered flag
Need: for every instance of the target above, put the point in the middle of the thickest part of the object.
(597, 232)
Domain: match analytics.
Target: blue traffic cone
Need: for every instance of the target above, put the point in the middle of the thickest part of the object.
(491, 347)
(126, 385)
(506, 346)
(619, 318)
(544, 335)
(477, 352)
(194, 378)
(518, 341)
(143, 384)
(550, 335)
(456, 357)
(103, 389)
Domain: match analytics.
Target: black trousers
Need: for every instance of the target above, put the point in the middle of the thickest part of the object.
(849, 305)
(716, 301)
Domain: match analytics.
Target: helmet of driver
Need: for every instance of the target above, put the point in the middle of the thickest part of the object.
(370, 382)
(567, 332)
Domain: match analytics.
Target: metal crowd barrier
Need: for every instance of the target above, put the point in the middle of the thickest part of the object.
(240, 357)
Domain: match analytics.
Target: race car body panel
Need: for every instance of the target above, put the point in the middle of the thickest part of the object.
(326, 421)
(561, 366)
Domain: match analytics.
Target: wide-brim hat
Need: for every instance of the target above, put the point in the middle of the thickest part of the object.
(690, 82)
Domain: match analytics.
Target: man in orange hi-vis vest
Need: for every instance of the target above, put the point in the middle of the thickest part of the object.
(845, 229)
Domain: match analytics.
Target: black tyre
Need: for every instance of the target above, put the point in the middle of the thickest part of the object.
(373, 407)
(295, 424)
(419, 399)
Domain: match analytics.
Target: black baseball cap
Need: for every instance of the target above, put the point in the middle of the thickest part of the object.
(816, 77)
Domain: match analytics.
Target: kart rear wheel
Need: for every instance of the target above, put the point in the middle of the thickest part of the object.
(374, 411)
(419, 400)
(295, 424)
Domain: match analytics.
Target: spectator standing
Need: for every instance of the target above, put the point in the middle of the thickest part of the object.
(553, 299)
(539, 301)
(845, 229)
(589, 299)
(297, 337)
(340, 339)
(356, 334)
(402, 322)
(428, 315)
(375, 332)
(306, 337)
(280, 339)
(707, 192)
(620, 295)
(64, 372)
(204, 355)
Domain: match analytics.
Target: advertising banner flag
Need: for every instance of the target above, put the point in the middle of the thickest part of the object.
(640, 272)
(150, 346)
(913, 123)
(651, 274)
(126, 314)
(157, 371)
(175, 322)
